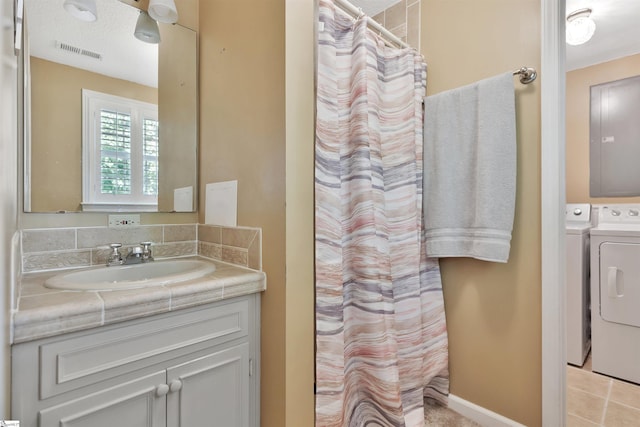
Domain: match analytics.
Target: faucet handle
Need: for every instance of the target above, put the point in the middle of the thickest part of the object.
(146, 251)
(114, 249)
(114, 258)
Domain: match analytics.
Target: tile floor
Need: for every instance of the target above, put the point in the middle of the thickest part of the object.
(593, 400)
(441, 416)
(598, 400)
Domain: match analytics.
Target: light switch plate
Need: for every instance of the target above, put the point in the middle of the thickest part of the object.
(124, 220)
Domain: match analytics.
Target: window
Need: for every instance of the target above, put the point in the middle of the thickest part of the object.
(120, 153)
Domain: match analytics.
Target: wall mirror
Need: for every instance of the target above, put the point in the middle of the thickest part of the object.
(110, 120)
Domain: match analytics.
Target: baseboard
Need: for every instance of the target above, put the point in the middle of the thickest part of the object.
(482, 416)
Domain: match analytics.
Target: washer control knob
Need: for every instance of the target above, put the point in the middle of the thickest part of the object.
(633, 212)
(615, 212)
(577, 211)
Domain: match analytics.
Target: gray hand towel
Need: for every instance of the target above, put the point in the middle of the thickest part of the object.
(470, 170)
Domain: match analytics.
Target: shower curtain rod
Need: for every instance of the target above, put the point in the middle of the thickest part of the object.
(526, 74)
(357, 13)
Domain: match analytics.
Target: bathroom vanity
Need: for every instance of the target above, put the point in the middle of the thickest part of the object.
(179, 354)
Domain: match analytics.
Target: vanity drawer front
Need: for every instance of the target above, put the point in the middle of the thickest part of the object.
(85, 358)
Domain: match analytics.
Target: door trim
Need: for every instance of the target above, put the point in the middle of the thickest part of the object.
(553, 200)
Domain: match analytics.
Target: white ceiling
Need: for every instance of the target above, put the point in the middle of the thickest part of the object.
(617, 29)
(617, 32)
(111, 35)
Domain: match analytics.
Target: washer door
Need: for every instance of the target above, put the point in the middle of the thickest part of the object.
(620, 283)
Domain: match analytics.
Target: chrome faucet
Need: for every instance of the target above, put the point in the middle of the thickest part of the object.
(139, 254)
(114, 257)
(136, 254)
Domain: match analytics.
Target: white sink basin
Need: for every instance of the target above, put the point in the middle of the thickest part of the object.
(114, 278)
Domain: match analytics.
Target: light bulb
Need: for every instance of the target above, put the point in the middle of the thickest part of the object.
(85, 10)
(580, 27)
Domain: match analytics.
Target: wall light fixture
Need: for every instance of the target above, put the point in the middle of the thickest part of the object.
(147, 29)
(84, 10)
(163, 11)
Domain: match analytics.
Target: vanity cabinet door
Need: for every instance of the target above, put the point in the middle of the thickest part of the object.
(210, 391)
(137, 403)
(190, 368)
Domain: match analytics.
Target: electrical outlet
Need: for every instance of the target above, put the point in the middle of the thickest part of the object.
(124, 220)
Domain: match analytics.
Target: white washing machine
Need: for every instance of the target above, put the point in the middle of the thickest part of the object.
(578, 330)
(615, 292)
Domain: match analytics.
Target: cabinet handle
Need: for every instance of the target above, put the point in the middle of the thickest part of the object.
(162, 390)
(175, 385)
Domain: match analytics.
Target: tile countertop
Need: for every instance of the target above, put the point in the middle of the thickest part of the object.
(44, 312)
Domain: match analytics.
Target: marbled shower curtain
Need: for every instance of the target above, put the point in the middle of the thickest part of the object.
(381, 332)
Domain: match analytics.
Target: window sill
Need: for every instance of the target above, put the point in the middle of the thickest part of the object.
(119, 207)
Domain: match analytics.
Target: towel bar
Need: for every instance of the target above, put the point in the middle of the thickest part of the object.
(527, 75)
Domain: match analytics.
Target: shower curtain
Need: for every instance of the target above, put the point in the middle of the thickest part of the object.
(380, 327)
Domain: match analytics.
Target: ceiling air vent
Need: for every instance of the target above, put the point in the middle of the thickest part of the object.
(77, 50)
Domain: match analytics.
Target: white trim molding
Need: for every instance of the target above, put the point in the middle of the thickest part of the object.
(119, 207)
(552, 213)
(479, 414)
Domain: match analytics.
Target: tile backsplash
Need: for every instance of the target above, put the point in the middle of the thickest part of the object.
(60, 248)
(403, 20)
(236, 245)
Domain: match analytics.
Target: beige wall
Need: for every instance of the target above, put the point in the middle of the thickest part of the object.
(494, 310)
(578, 95)
(242, 136)
(56, 130)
